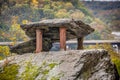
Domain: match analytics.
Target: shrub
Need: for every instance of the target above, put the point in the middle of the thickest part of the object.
(9, 72)
(4, 52)
(116, 61)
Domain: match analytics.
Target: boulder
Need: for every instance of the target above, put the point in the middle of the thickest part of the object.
(74, 65)
(30, 45)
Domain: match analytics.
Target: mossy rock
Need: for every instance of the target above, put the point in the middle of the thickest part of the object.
(9, 72)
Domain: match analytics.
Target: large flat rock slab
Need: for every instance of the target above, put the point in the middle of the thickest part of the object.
(74, 65)
(50, 27)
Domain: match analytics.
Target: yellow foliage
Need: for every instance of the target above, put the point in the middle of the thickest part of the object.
(97, 20)
(35, 3)
(16, 33)
(62, 13)
(3, 33)
(14, 19)
(24, 21)
(1, 57)
(69, 5)
(77, 15)
(47, 7)
(57, 5)
(5, 51)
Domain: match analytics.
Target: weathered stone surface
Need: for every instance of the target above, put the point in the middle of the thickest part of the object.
(50, 29)
(30, 46)
(76, 27)
(75, 65)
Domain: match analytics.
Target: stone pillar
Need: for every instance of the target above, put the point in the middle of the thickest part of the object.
(62, 38)
(38, 40)
(118, 47)
(80, 43)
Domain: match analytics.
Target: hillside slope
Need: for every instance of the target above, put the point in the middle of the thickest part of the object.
(108, 12)
(21, 12)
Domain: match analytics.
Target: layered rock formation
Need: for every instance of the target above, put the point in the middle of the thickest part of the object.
(75, 65)
(50, 29)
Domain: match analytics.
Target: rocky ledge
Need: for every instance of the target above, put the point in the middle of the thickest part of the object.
(75, 64)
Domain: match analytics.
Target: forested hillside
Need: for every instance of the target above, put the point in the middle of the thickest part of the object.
(16, 12)
(108, 12)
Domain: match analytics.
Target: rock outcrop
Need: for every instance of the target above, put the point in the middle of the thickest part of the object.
(29, 46)
(75, 65)
(50, 29)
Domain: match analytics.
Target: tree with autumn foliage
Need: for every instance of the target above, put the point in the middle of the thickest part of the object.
(36, 10)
